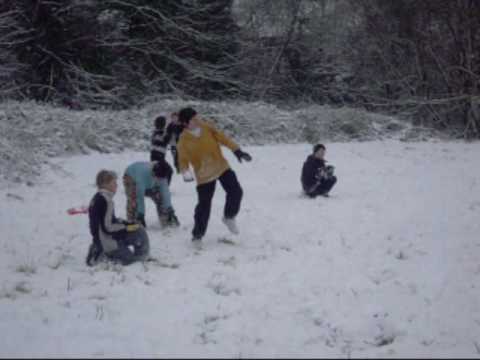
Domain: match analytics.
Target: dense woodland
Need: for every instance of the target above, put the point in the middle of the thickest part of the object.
(414, 58)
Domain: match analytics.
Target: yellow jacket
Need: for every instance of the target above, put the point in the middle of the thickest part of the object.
(204, 153)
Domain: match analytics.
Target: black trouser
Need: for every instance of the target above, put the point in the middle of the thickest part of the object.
(324, 187)
(234, 191)
(140, 242)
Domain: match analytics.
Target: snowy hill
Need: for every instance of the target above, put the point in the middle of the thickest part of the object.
(33, 133)
(386, 267)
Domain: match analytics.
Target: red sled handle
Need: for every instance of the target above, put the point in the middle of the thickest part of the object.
(77, 210)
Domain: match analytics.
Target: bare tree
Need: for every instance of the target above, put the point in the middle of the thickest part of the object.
(420, 57)
(12, 35)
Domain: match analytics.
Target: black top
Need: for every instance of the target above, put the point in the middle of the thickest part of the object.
(310, 172)
(97, 215)
(161, 138)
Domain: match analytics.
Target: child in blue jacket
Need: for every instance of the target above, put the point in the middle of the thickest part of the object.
(149, 179)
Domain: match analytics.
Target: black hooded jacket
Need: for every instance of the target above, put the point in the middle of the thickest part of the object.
(162, 138)
(311, 169)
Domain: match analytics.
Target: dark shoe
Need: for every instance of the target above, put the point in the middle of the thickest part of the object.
(196, 238)
(169, 219)
(173, 220)
(94, 255)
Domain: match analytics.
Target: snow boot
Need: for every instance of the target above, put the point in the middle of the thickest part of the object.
(169, 219)
(231, 225)
(95, 255)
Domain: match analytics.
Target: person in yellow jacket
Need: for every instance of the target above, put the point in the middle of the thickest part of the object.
(199, 146)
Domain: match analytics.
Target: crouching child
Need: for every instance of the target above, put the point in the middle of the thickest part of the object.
(144, 179)
(317, 177)
(113, 237)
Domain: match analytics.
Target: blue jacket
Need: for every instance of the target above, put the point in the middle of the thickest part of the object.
(141, 173)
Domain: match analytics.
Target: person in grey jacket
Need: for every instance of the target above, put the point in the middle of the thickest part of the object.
(113, 236)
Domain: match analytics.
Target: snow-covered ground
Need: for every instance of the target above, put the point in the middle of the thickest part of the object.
(387, 267)
(39, 132)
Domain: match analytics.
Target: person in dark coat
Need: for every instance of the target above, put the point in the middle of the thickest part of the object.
(174, 130)
(164, 137)
(317, 177)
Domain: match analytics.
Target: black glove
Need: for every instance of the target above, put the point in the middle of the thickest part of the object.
(141, 220)
(241, 155)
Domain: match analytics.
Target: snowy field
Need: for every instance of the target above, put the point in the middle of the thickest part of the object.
(388, 266)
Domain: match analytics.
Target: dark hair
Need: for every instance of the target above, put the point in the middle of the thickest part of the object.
(160, 169)
(186, 114)
(160, 122)
(318, 147)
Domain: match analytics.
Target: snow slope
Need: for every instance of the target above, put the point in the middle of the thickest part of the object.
(37, 133)
(386, 267)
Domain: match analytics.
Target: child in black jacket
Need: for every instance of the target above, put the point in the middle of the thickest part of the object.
(165, 136)
(317, 177)
(112, 236)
